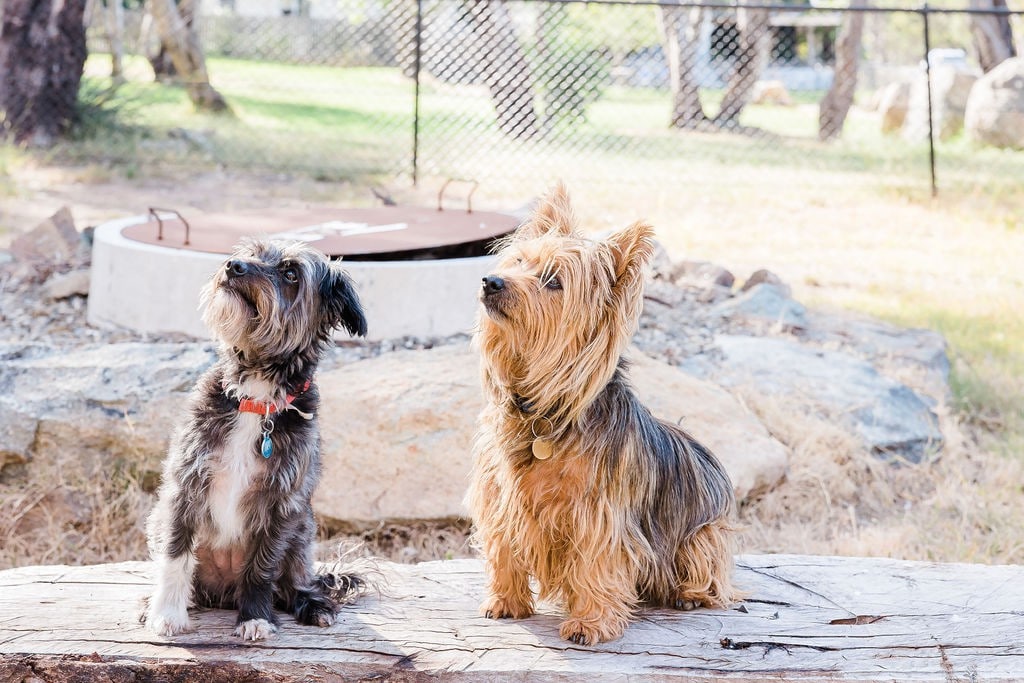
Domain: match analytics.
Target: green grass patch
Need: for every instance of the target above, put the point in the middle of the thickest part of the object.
(360, 119)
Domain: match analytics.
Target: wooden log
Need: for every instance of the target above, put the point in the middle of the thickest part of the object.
(806, 618)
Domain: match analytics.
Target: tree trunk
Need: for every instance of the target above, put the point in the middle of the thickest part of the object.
(506, 71)
(681, 27)
(751, 56)
(160, 61)
(837, 101)
(114, 22)
(42, 53)
(179, 38)
(992, 33)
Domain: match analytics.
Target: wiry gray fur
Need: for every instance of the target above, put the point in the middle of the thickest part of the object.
(231, 529)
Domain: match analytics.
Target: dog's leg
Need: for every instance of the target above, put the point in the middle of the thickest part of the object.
(301, 592)
(261, 567)
(175, 567)
(509, 593)
(704, 564)
(601, 597)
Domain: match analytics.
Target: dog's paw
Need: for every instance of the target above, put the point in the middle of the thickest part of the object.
(314, 610)
(588, 631)
(325, 618)
(504, 608)
(255, 629)
(685, 605)
(169, 623)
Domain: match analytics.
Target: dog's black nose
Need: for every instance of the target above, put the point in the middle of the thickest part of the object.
(236, 268)
(492, 284)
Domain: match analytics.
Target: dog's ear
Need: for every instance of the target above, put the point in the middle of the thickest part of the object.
(553, 214)
(340, 301)
(632, 249)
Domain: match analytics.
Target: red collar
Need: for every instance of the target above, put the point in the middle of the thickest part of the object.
(248, 405)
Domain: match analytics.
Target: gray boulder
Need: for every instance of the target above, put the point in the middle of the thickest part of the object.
(884, 345)
(995, 107)
(766, 304)
(889, 416)
(82, 411)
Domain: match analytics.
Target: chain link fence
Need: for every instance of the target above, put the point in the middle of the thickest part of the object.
(516, 93)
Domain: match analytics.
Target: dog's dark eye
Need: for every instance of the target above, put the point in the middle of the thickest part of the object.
(290, 275)
(553, 283)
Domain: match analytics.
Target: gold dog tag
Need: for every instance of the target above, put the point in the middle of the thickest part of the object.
(541, 449)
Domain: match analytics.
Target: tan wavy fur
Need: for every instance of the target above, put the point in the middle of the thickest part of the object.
(575, 483)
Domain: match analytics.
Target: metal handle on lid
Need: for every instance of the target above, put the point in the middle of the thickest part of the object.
(153, 211)
(469, 197)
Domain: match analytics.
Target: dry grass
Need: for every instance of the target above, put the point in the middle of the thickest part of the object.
(963, 504)
(409, 542)
(48, 520)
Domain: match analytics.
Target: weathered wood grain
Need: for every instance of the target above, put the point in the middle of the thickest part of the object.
(806, 619)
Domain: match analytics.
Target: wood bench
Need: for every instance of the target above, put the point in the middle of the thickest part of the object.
(806, 618)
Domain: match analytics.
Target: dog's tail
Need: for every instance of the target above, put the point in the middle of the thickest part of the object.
(349, 575)
(341, 587)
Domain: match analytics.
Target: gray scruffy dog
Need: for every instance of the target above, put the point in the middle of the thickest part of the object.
(233, 526)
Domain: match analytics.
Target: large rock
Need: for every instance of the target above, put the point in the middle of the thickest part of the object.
(756, 462)
(83, 411)
(995, 107)
(889, 416)
(771, 92)
(398, 432)
(892, 105)
(765, 303)
(950, 89)
(55, 239)
(702, 274)
(65, 285)
(885, 345)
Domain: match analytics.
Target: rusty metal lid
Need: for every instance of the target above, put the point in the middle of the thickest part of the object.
(398, 231)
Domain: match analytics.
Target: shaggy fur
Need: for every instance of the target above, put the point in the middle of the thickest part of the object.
(575, 483)
(232, 529)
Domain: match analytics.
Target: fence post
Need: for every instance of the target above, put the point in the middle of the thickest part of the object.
(925, 10)
(416, 93)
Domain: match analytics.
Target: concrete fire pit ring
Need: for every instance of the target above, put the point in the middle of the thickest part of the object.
(153, 286)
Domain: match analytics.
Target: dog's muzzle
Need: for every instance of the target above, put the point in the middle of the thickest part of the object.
(491, 294)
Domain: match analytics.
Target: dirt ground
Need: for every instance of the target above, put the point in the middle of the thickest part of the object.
(94, 195)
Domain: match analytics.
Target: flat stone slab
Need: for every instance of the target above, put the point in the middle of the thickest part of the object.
(806, 619)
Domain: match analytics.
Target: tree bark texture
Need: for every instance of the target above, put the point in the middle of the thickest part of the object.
(178, 37)
(992, 34)
(751, 57)
(42, 53)
(505, 68)
(681, 27)
(837, 101)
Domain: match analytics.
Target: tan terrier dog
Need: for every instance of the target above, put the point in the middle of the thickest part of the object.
(575, 483)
